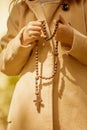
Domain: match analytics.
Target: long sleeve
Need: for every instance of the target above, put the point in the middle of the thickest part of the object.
(79, 47)
(13, 56)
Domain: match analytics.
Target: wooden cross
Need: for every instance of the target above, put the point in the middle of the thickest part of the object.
(38, 102)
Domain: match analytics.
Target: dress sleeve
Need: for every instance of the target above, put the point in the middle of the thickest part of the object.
(79, 47)
(13, 56)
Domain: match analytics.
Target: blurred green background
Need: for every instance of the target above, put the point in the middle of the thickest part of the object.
(7, 84)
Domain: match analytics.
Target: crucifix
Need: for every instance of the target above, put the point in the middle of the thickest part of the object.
(38, 103)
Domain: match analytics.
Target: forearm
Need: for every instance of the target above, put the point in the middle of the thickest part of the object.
(14, 56)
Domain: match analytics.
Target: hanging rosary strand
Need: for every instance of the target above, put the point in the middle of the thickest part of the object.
(38, 101)
(45, 31)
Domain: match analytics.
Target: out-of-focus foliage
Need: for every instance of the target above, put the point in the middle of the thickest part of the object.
(7, 85)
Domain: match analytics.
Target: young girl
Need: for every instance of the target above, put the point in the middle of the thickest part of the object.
(46, 44)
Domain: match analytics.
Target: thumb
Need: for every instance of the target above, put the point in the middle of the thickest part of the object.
(62, 20)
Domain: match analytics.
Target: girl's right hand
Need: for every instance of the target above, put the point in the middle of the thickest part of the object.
(31, 32)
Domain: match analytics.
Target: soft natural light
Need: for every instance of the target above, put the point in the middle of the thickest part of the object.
(4, 12)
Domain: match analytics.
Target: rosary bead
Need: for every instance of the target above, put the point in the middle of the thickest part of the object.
(55, 69)
(36, 93)
(36, 56)
(37, 67)
(36, 70)
(36, 59)
(55, 64)
(46, 78)
(44, 29)
(56, 53)
(36, 64)
(36, 83)
(36, 89)
(54, 72)
(37, 77)
(36, 52)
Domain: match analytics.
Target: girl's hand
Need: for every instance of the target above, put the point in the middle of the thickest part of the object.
(31, 32)
(64, 33)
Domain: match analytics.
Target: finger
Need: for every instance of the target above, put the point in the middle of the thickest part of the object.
(62, 20)
(41, 21)
(34, 28)
(33, 38)
(34, 33)
(35, 23)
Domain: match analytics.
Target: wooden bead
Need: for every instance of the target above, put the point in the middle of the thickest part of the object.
(36, 93)
(37, 77)
(36, 89)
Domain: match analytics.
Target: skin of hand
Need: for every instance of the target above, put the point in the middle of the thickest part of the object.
(31, 33)
(64, 33)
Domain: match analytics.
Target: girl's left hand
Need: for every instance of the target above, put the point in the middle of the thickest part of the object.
(64, 33)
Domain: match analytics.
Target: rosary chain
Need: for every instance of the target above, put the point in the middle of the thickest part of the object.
(38, 100)
(45, 31)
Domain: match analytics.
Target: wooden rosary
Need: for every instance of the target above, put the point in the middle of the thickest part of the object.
(38, 101)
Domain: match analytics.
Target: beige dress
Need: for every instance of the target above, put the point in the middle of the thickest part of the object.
(64, 105)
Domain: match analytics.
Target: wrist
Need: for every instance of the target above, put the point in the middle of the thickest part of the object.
(24, 42)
